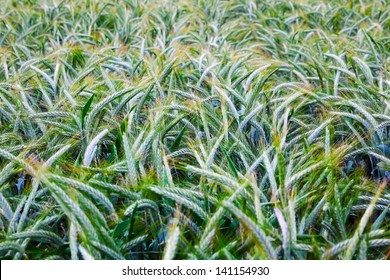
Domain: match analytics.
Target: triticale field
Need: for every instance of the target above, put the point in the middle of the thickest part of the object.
(194, 129)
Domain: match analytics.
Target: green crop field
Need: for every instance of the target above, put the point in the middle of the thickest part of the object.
(194, 129)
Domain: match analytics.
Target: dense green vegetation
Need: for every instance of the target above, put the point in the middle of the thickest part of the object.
(194, 129)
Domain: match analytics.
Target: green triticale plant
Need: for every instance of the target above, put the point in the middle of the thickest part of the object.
(194, 129)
